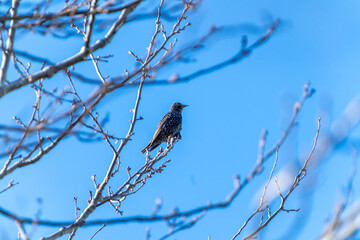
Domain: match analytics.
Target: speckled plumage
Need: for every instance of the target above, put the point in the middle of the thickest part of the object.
(169, 127)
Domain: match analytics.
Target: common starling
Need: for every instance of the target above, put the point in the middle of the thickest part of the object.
(169, 127)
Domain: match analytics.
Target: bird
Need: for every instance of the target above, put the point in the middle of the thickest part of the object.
(169, 127)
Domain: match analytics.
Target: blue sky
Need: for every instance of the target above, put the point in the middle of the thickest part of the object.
(316, 41)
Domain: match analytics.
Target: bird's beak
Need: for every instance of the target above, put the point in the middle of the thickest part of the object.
(185, 106)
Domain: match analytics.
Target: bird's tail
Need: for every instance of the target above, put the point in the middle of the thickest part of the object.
(146, 148)
(150, 147)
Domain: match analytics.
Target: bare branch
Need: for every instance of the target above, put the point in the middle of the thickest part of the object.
(297, 179)
(89, 27)
(68, 12)
(9, 43)
(11, 184)
(49, 71)
(104, 225)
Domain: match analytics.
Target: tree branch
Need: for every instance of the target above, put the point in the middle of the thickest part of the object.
(50, 71)
(9, 44)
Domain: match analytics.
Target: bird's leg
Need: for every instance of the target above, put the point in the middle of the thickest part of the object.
(168, 140)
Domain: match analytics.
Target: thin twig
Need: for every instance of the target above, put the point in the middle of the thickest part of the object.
(104, 225)
(11, 184)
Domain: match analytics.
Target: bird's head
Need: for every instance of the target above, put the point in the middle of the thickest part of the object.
(177, 107)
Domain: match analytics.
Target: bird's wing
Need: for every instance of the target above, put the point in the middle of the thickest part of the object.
(164, 121)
